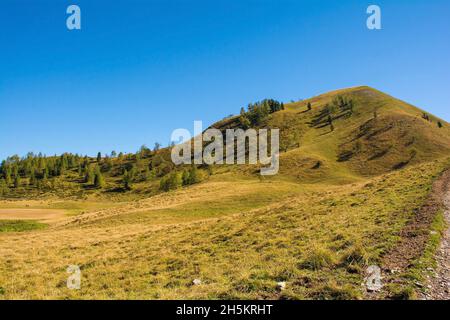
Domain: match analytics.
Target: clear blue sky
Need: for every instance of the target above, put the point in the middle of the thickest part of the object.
(139, 69)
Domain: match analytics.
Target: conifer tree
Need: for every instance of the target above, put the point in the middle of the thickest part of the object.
(127, 180)
(3, 187)
(17, 181)
(8, 178)
(32, 178)
(89, 176)
(99, 181)
(193, 175)
(185, 179)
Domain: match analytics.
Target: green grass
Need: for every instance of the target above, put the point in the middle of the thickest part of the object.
(20, 225)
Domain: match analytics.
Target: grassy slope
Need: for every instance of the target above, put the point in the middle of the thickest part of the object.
(316, 228)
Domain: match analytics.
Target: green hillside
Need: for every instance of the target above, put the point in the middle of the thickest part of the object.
(331, 142)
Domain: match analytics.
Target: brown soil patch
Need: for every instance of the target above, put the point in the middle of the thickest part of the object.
(438, 287)
(42, 215)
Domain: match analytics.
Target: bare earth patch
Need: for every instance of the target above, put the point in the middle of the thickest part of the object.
(439, 284)
(414, 236)
(43, 215)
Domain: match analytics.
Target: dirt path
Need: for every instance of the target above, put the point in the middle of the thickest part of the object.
(439, 285)
(414, 238)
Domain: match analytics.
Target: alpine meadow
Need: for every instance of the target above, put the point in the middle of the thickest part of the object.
(362, 182)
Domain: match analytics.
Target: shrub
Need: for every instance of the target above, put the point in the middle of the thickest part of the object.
(170, 182)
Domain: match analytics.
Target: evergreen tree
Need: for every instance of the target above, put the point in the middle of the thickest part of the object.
(17, 181)
(45, 174)
(170, 182)
(185, 179)
(89, 175)
(3, 187)
(148, 174)
(99, 181)
(330, 122)
(8, 178)
(309, 106)
(193, 175)
(127, 180)
(99, 157)
(32, 178)
(440, 125)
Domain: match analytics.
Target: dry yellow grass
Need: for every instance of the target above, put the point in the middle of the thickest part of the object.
(317, 237)
(316, 226)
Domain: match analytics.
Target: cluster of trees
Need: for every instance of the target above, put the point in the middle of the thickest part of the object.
(173, 180)
(92, 175)
(42, 172)
(427, 117)
(258, 112)
(35, 169)
(341, 106)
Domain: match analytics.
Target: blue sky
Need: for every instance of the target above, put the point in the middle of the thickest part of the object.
(139, 69)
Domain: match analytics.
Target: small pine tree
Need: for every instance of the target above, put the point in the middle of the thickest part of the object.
(170, 182)
(89, 175)
(8, 178)
(17, 181)
(3, 187)
(127, 180)
(99, 181)
(146, 174)
(99, 157)
(330, 122)
(185, 178)
(32, 178)
(440, 125)
(45, 174)
(193, 175)
(309, 106)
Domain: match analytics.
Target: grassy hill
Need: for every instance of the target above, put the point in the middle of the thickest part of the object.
(354, 169)
(378, 135)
